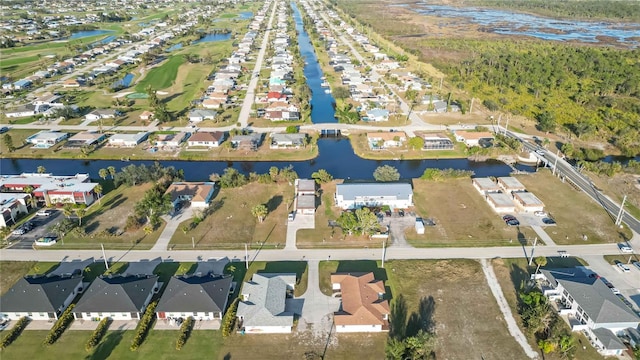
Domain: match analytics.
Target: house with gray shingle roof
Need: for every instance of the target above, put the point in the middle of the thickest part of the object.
(40, 297)
(200, 297)
(590, 305)
(262, 308)
(117, 297)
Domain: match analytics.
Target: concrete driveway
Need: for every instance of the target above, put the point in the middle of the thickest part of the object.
(299, 222)
(213, 266)
(69, 267)
(397, 226)
(173, 221)
(143, 267)
(317, 308)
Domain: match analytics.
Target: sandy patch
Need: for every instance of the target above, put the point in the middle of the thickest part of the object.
(162, 93)
(119, 95)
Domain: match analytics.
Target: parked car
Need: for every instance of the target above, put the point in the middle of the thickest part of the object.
(43, 212)
(4, 322)
(292, 216)
(615, 291)
(548, 221)
(623, 267)
(508, 217)
(636, 264)
(3, 129)
(513, 222)
(401, 212)
(625, 248)
(540, 213)
(19, 231)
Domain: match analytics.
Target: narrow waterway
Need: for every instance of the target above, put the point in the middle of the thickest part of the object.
(322, 110)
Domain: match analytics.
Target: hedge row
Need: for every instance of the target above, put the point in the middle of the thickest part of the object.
(98, 333)
(229, 319)
(144, 325)
(60, 326)
(14, 332)
(185, 331)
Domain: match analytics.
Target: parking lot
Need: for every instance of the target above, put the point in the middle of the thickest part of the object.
(531, 219)
(40, 226)
(628, 283)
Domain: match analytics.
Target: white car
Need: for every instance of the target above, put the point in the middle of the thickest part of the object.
(625, 248)
(540, 213)
(623, 267)
(540, 152)
(43, 213)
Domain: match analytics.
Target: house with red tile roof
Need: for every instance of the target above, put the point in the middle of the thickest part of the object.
(363, 307)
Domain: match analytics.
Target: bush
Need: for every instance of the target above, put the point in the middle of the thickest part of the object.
(185, 331)
(14, 332)
(98, 333)
(60, 326)
(229, 319)
(143, 326)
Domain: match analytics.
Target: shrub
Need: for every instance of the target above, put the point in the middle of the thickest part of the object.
(60, 326)
(14, 332)
(98, 333)
(185, 331)
(143, 326)
(229, 319)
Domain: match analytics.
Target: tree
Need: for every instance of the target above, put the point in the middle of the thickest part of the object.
(347, 222)
(367, 221)
(112, 171)
(67, 210)
(386, 173)
(292, 129)
(273, 173)
(7, 141)
(103, 173)
(540, 261)
(154, 204)
(80, 211)
(98, 190)
(41, 169)
(341, 92)
(321, 176)
(62, 227)
(260, 212)
(416, 143)
(232, 178)
(546, 121)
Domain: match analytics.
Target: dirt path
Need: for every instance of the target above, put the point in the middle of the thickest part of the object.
(513, 328)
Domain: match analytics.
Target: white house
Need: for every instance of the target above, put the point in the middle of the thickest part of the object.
(197, 115)
(173, 140)
(500, 202)
(206, 138)
(45, 139)
(394, 195)
(40, 297)
(11, 206)
(510, 184)
(364, 308)
(472, 138)
(101, 114)
(199, 297)
(485, 185)
(262, 304)
(527, 201)
(198, 194)
(128, 140)
(117, 297)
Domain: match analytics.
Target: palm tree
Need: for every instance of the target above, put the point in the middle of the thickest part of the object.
(260, 212)
(148, 229)
(80, 211)
(103, 173)
(33, 202)
(67, 210)
(540, 261)
(41, 169)
(98, 191)
(112, 171)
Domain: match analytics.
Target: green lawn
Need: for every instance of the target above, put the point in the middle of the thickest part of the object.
(297, 267)
(12, 271)
(163, 76)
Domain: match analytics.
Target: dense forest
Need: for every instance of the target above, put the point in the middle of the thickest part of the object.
(625, 10)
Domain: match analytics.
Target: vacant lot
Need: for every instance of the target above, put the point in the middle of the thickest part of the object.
(163, 76)
(12, 271)
(325, 236)
(512, 273)
(561, 202)
(231, 225)
(462, 217)
(105, 220)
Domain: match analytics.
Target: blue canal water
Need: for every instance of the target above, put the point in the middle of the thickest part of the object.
(514, 23)
(322, 105)
(336, 156)
(213, 37)
(174, 47)
(124, 82)
(87, 33)
(245, 15)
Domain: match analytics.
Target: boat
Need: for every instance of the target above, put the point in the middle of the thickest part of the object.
(324, 84)
(327, 91)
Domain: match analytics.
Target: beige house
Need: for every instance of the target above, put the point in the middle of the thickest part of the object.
(485, 185)
(500, 202)
(527, 202)
(472, 138)
(364, 308)
(510, 184)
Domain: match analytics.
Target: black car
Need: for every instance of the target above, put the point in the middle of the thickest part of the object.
(508, 217)
(387, 212)
(548, 221)
(401, 212)
(513, 222)
(3, 129)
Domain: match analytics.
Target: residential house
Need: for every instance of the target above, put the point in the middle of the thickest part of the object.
(172, 140)
(590, 306)
(527, 201)
(305, 196)
(510, 184)
(197, 115)
(199, 297)
(278, 111)
(128, 140)
(11, 206)
(485, 185)
(117, 297)
(22, 84)
(206, 138)
(249, 142)
(50, 100)
(356, 195)
(198, 194)
(71, 83)
(473, 138)
(22, 111)
(262, 307)
(45, 139)
(85, 138)
(437, 142)
(386, 139)
(288, 141)
(50, 189)
(101, 114)
(378, 115)
(213, 103)
(363, 307)
(146, 115)
(500, 202)
(40, 297)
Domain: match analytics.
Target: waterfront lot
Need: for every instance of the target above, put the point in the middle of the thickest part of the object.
(362, 149)
(462, 217)
(512, 273)
(561, 202)
(231, 224)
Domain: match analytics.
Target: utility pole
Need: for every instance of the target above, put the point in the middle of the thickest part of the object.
(246, 256)
(555, 163)
(104, 256)
(533, 249)
(383, 252)
(193, 244)
(506, 128)
(619, 217)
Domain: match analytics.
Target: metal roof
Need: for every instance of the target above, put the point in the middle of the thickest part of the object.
(356, 190)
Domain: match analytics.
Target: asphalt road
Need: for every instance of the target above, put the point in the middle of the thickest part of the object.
(41, 225)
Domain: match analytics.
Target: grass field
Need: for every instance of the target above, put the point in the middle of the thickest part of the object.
(163, 76)
(12, 271)
(511, 274)
(231, 224)
(561, 201)
(462, 217)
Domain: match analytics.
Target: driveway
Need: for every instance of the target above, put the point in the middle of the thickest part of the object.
(69, 267)
(397, 226)
(299, 222)
(143, 267)
(627, 283)
(173, 221)
(212, 266)
(317, 308)
(41, 224)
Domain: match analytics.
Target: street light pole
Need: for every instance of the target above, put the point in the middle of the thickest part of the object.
(619, 217)
(533, 249)
(246, 256)
(555, 164)
(104, 256)
(383, 252)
